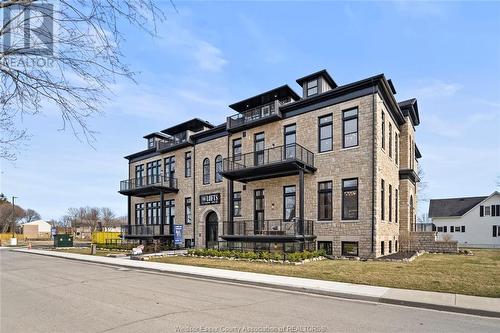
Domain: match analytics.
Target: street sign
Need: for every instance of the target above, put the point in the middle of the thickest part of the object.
(178, 230)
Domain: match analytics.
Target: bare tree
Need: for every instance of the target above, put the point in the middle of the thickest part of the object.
(29, 216)
(70, 70)
(6, 215)
(422, 185)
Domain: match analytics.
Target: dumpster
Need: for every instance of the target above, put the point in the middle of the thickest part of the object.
(63, 240)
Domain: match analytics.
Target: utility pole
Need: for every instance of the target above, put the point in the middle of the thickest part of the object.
(14, 217)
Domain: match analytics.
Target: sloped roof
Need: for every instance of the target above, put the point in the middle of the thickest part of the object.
(453, 207)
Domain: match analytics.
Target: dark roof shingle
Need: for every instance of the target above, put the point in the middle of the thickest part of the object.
(452, 207)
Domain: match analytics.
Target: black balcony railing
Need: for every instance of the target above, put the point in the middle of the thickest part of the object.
(174, 140)
(148, 181)
(283, 228)
(249, 116)
(280, 154)
(146, 230)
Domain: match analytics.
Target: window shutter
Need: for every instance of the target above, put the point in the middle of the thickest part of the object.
(498, 210)
(481, 211)
(452, 228)
(463, 228)
(493, 212)
(445, 229)
(494, 231)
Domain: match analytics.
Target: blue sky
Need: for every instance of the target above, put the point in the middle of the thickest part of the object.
(209, 55)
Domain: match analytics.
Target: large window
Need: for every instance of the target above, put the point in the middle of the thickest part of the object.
(218, 169)
(259, 144)
(396, 148)
(325, 200)
(390, 140)
(312, 88)
(139, 213)
(350, 128)
(187, 164)
(382, 200)
(383, 130)
(153, 212)
(206, 171)
(325, 133)
(139, 174)
(153, 170)
(169, 211)
(169, 167)
(237, 204)
(326, 246)
(289, 202)
(188, 211)
(349, 248)
(237, 149)
(350, 199)
(290, 139)
(390, 203)
(396, 208)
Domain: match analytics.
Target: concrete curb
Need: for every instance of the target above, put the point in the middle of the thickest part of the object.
(472, 305)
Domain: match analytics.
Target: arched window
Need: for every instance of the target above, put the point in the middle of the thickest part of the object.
(218, 169)
(206, 171)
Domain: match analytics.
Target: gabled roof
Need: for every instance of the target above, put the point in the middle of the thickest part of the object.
(322, 73)
(410, 108)
(454, 206)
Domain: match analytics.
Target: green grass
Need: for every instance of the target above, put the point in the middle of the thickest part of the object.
(477, 275)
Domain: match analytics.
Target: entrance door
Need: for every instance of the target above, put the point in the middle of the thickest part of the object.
(258, 212)
(211, 231)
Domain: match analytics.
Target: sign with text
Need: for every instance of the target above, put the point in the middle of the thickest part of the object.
(178, 231)
(210, 199)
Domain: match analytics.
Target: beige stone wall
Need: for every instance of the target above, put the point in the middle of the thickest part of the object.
(427, 241)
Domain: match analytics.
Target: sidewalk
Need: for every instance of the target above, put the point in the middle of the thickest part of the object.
(482, 306)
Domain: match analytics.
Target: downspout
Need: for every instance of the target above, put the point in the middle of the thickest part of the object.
(373, 169)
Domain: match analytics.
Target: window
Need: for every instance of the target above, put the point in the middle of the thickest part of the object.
(169, 211)
(495, 210)
(457, 229)
(325, 201)
(326, 246)
(218, 169)
(188, 243)
(349, 248)
(390, 140)
(188, 211)
(463, 228)
(187, 164)
(289, 202)
(481, 211)
(206, 171)
(153, 170)
(383, 130)
(396, 209)
(396, 148)
(139, 213)
(312, 88)
(350, 199)
(290, 139)
(237, 149)
(390, 203)
(325, 133)
(495, 229)
(169, 167)
(390, 246)
(350, 128)
(382, 200)
(452, 228)
(259, 144)
(445, 229)
(487, 210)
(151, 143)
(396, 246)
(237, 204)
(153, 212)
(139, 175)
(382, 248)
(440, 229)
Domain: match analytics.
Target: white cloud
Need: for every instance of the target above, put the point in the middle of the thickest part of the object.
(209, 57)
(436, 89)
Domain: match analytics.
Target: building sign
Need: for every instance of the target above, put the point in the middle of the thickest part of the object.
(210, 199)
(178, 231)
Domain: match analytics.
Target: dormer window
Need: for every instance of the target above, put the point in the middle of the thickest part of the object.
(312, 88)
(151, 143)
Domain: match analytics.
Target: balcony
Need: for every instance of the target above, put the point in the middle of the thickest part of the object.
(148, 185)
(268, 230)
(269, 163)
(254, 117)
(173, 141)
(143, 230)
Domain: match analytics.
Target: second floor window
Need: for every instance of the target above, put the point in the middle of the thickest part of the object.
(390, 140)
(237, 204)
(396, 207)
(139, 174)
(188, 212)
(187, 164)
(139, 213)
(350, 128)
(169, 167)
(325, 201)
(396, 148)
(237, 149)
(312, 88)
(218, 169)
(390, 203)
(153, 172)
(325, 133)
(383, 130)
(289, 202)
(350, 199)
(206, 171)
(382, 199)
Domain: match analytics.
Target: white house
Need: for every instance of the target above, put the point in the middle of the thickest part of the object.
(43, 226)
(472, 221)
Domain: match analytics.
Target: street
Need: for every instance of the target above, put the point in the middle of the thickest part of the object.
(45, 294)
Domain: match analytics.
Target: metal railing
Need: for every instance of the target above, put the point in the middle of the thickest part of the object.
(145, 230)
(276, 227)
(174, 140)
(147, 181)
(269, 156)
(249, 116)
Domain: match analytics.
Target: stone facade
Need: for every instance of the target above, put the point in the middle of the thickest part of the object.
(369, 162)
(427, 241)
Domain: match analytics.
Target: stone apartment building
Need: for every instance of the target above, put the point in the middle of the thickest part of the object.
(334, 168)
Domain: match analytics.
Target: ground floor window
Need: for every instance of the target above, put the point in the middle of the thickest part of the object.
(382, 248)
(390, 246)
(189, 243)
(326, 246)
(349, 248)
(396, 246)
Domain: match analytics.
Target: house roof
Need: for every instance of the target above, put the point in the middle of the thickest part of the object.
(453, 207)
(265, 97)
(410, 108)
(195, 125)
(322, 73)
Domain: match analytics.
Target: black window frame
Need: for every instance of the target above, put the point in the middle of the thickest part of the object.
(382, 200)
(495, 231)
(383, 130)
(188, 215)
(289, 195)
(382, 248)
(389, 247)
(218, 164)
(206, 171)
(346, 119)
(237, 145)
(390, 139)
(349, 243)
(188, 167)
(396, 208)
(346, 189)
(169, 206)
(139, 210)
(390, 203)
(153, 172)
(309, 88)
(236, 203)
(290, 149)
(139, 175)
(396, 147)
(462, 229)
(481, 211)
(328, 123)
(153, 213)
(328, 191)
(328, 248)
(170, 163)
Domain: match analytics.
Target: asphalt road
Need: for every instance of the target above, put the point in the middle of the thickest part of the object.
(45, 294)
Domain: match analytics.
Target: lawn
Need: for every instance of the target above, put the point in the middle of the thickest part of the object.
(470, 275)
(86, 250)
